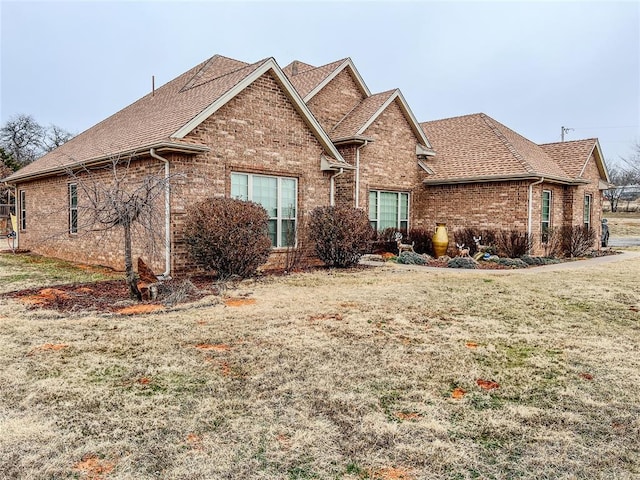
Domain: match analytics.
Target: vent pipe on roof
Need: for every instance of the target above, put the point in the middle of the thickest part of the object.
(294, 68)
(153, 85)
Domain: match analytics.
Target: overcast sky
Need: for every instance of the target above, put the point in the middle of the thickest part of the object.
(533, 66)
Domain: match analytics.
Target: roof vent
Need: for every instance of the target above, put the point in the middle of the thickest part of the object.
(294, 68)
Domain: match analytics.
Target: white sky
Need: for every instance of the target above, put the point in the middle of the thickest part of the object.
(533, 66)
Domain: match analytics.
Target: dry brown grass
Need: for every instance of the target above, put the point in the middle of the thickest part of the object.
(623, 224)
(369, 374)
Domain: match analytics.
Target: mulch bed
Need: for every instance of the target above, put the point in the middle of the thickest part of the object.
(110, 296)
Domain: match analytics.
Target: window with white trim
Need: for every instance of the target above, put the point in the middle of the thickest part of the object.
(278, 195)
(587, 210)
(389, 210)
(546, 214)
(73, 208)
(23, 210)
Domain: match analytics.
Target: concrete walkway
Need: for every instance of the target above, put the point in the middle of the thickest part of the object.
(624, 242)
(569, 265)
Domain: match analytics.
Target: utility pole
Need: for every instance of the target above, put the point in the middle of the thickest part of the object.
(564, 130)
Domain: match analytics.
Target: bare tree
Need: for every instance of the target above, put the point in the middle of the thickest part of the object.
(25, 140)
(623, 175)
(22, 137)
(122, 197)
(621, 178)
(55, 136)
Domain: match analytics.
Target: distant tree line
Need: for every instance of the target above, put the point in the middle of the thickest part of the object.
(23, 140)
(625, 175)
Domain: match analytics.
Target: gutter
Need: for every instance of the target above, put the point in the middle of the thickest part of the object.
(333, 187)
(530, 213)
(358, 173)
(167, 216)
(14, 178)
(505, 178)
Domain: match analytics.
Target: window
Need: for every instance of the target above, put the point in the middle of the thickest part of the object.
(278, 195)
(587, 210)
(546, 214)
(389, 210)
(23, 210)
(73, 208)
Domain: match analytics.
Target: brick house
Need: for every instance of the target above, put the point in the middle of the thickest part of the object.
(485, 175)
(294, 139)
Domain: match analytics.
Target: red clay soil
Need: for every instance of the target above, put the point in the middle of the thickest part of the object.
(487, 384)
(458, 393)
(94, 468)
(391, 473)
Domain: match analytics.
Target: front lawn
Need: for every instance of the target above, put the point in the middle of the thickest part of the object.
(380, 373)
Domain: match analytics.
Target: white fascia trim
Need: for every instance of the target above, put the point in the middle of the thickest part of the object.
(417, 130)
(602, 168)
(293, 95)
(426, 168)
(211, 109)
(347, 63)
(368, 123)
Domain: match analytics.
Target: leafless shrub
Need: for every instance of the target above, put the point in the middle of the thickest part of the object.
(175, 292)
(228, 236)
(552, 243)
(467, 236)
(577, 240)
(422, 241)
(513, 243)
(296, 241)
(340, 234)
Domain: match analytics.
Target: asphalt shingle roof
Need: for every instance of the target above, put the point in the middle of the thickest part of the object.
(153, 118)
(571, 155)
(477, 146)
(308, 76)
(353, 121)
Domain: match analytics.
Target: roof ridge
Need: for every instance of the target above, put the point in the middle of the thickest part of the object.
(593, 139)
(454, 117)
(321, 66)
(501, 136)
(192, 83)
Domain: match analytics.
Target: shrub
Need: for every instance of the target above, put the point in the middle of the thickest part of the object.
(513, 243)
(511, 262)
(529, 260)
(577, 240)
(422, 240)
(462, 262)
(464, 236)
(385, 240)
(228, 236)
(340, 234)
(552, 242)
(410, 258)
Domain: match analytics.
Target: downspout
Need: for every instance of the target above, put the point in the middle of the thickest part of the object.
(333, 187)
(530, 219)
(167, 215)
(358, 173)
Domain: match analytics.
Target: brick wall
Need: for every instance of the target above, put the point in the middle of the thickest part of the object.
(389, 162)
(476, 205)
(47, 231)
(335, 100)
(258, 131)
